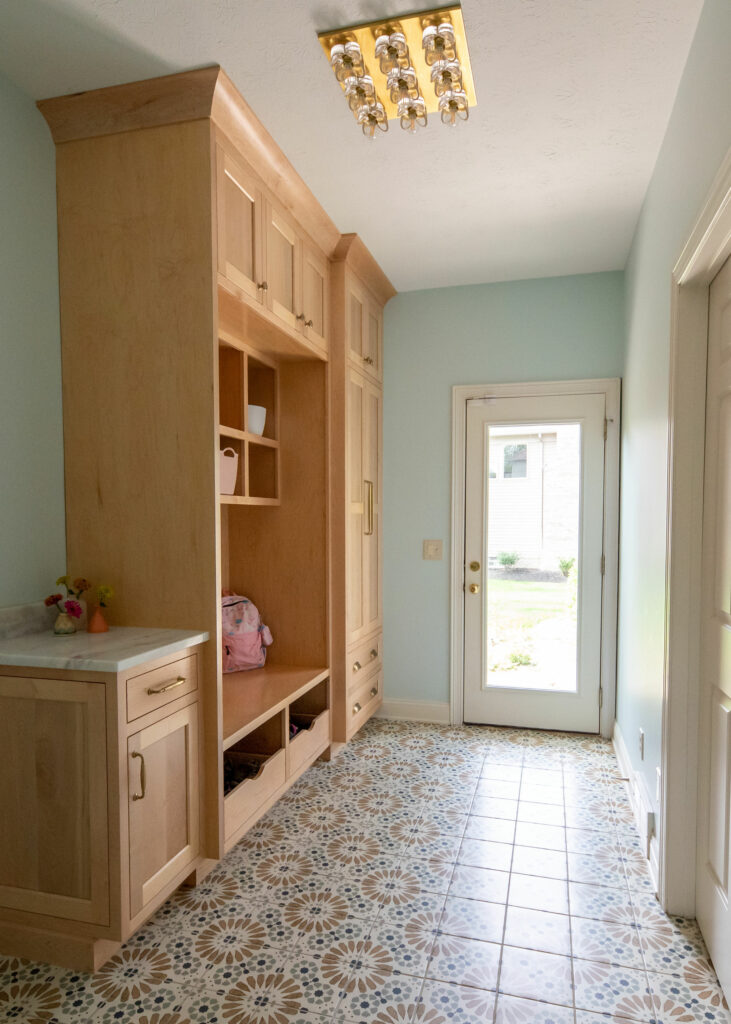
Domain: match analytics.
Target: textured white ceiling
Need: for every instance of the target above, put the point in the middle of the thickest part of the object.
(546, 178)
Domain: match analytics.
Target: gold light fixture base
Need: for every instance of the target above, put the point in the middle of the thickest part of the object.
(412, 26)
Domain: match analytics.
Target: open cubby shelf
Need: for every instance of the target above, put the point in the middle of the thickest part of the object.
(245, 378)
(250, 698)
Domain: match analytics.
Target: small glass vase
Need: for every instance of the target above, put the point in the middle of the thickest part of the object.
(64, 625)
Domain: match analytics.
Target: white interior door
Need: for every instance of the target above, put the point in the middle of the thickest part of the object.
(534, 518)
(714, 826)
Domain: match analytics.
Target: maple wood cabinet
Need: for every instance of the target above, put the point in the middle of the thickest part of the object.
(360, 292)
(100, 802)
(235, 287)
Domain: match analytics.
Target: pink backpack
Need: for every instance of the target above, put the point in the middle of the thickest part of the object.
(245, 638)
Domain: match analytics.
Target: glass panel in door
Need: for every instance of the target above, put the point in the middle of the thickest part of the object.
(533, 485)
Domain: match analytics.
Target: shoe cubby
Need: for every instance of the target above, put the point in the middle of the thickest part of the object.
(254, 769)
(311, 715)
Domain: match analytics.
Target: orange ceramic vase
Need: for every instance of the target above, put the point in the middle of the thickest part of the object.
(97, 622)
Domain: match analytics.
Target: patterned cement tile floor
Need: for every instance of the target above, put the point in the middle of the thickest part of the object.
(429, 875)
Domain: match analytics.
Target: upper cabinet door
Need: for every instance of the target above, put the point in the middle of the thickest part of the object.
(282, 269)
(315, 292)
(364, 328)
(240, 226)
(373, 337)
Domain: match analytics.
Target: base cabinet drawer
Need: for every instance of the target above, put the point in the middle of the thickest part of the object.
(151, 690)
(244, 801)
(361, 703)
(163, 796)
(304, 746)
(363, 660)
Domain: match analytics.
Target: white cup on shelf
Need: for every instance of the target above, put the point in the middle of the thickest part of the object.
(257, 415)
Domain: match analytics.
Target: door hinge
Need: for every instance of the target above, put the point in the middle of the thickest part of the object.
(603, 565)
(601, 697)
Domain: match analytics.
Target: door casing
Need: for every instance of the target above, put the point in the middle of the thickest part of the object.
(460, 396)
(706, 250)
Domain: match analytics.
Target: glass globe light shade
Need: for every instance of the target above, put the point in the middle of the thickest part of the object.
(360, 92)
(439, 43)
(402, 84)
(446, 75)
(453, 106)
(346, 61)
(373, 118)
(392, 52)
(412, 114)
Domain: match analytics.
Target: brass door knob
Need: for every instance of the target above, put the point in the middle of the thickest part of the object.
(474, 588)
(474, 566)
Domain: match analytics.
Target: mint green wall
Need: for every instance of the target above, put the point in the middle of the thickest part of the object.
(550, 329)
(32, 545)
(698, 135)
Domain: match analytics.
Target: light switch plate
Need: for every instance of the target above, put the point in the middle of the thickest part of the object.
(432, 551)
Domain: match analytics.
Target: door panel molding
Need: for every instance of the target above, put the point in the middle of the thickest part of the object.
(461, 394)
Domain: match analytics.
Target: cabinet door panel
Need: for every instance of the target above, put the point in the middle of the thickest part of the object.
(355, 510)
(354, 313)
(315, 295)
(282, 250)
(372, 449)
(373, 340)
(163, 791)
(239, 203)
(53, 801)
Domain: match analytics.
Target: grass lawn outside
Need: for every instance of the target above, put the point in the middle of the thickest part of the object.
(531, 636)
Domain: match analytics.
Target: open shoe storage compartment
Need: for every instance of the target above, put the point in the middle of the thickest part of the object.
(248, 798)
(311, 716)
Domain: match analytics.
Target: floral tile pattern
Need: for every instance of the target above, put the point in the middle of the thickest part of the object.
(428, 875)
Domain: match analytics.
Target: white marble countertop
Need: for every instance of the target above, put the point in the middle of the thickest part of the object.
(121, 648)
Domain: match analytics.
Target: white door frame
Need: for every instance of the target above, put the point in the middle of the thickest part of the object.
(460, 396)
(707, 249)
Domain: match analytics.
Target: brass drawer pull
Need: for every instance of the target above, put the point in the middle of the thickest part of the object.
(357, 666)
(168, 686)
(140, 796)
(368, 359)
(373, 653)
(356, 708)
(374, 691)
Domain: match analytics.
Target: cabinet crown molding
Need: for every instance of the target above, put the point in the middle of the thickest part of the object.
(352, 251)
(204, 93)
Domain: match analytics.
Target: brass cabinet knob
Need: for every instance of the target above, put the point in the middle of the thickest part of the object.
(262, 286)
(374, 691)
(356, 708)
(474, 566)
(368, 359)
(308, 323)
(357, 666)
(373, 653)
(300, 316)
(474, 588)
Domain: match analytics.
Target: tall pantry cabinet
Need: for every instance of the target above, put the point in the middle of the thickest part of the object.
(198, 275)
(360, 290)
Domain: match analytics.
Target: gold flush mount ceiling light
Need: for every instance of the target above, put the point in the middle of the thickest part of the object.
(403, 69)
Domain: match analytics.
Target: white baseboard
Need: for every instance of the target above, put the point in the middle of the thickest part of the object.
(415, 710)
(640, 801)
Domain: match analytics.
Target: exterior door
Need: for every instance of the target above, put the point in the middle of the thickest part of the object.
(714, 826)
(534, 524)
(163, 793)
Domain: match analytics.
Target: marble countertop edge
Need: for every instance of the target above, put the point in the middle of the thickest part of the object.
(123, 647)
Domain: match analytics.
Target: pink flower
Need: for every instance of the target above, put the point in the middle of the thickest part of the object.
(73, 608)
